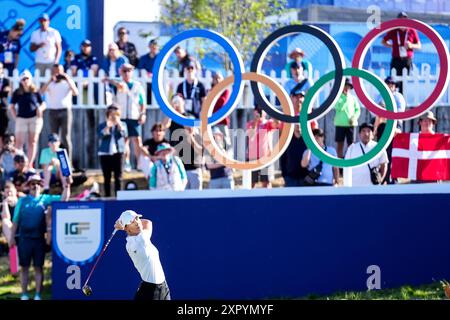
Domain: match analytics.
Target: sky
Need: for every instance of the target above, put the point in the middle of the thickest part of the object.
(134, 10)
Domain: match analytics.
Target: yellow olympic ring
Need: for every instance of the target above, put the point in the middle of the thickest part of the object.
(212, 147)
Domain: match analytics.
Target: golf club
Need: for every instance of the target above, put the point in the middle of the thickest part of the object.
(87, 290)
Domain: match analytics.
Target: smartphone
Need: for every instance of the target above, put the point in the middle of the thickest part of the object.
(66, 167)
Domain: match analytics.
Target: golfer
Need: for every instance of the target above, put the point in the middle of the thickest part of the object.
(144, 255)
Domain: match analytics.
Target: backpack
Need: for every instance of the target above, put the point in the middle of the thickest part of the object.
(32, 223)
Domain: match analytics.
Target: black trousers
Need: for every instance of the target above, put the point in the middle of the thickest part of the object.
(399, 64)
(151, 291)
(3, 122)
(112, 164)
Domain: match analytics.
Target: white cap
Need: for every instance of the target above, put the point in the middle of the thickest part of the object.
(26, 74)
(128, 217)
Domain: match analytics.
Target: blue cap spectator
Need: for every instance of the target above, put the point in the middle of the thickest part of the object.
(85, 61)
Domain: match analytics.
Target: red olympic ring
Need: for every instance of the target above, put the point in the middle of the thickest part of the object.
(441, 84)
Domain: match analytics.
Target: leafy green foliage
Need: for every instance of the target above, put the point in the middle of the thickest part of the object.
(243, 22)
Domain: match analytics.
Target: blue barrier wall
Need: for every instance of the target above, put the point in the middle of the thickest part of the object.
(276, 246)
(62, 14)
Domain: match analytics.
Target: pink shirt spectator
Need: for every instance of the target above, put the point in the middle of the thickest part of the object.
(260, 138)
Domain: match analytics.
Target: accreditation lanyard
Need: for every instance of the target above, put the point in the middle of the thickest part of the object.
(194, 85)
(8, 53)
(398, 38)
(44, 35)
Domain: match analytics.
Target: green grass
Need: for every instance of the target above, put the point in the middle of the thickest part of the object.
(10, 288)
(433, 291)
(10, 285)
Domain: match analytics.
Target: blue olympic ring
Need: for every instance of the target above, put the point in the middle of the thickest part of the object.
(161, 60)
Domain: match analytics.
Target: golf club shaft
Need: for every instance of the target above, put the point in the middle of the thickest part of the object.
(101, 254)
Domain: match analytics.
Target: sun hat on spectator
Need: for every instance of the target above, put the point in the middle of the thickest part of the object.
(296, 52)
(428, 115)
(162, 147)
(35, 177)
(26, 74)
(44, 16)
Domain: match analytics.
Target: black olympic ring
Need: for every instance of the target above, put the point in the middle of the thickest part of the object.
(339, 80)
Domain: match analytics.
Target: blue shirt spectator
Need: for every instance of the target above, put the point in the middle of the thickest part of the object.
(147, 61)
(29, 214)
(327, 170)
(10, 46)
(27, 102)
(85, 61)
(400, 102)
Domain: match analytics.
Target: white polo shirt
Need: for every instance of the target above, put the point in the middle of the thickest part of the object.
(145, 257)
(59, 96)
(47, 53)
(360, 176)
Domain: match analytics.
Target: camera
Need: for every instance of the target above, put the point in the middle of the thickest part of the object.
(60, 77)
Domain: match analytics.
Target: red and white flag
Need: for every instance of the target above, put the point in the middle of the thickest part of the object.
(421, 156)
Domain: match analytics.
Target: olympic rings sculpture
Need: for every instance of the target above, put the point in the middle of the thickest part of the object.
(207, 119)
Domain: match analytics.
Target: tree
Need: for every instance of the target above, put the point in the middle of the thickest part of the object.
(243, 21)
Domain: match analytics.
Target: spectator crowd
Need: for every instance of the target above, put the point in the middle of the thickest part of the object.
(173, 158)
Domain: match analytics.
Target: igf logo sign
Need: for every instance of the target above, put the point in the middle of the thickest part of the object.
(76, 228)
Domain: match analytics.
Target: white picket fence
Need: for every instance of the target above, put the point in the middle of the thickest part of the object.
(417, 86)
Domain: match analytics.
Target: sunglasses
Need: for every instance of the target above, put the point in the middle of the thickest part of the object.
(127, 70)
(34, 184)
(25, 79)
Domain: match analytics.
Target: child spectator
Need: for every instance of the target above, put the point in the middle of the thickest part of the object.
(158, 137)
(21, 173)
(168, 171)
(7, 154)
(49, 161)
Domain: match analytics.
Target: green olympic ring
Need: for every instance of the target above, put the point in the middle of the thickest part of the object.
(386, 138)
